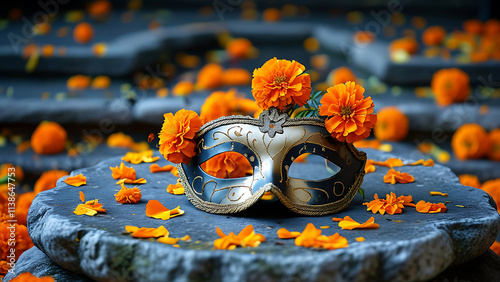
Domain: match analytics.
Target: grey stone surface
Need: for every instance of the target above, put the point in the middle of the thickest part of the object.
(418, 248)
(37, 263)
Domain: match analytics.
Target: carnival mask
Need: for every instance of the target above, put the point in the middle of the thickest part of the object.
(271, 144)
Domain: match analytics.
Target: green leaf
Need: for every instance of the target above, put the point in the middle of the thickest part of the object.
(361, 192)
(4, 179)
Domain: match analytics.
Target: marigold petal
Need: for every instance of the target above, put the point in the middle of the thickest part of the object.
(168, 240)
(285, 234)
(77, 180)
(82, 196)
(156, 168)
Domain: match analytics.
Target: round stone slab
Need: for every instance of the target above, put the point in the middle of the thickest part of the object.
(407, 247)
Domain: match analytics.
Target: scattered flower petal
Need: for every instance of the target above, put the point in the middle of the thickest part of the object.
(429, 162)
(427, 207)
(155, 209)
(144, 232)
(137, 158)
(123, 172)
(311, 237)
(391, 204)
(350, 224)
(156, 168)
(393, 176)
(390, 162)
(436, 193)
(176, 189)
(285, 234)
(77, 180)
(131, 181)
(90, 208)
(246, 238)
(360, 239)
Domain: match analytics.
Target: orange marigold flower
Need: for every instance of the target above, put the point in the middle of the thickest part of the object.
(374, 144)
(433, 35)
(128, 195)
(177, 134)
(183, 88)
(426, 207)
(349, 113)
(492, 27)
(156, 168)
(271, 15)
(48, 180)
(393, 176)
(239, 48)
(210, 76)
(155, 209)
(220, 104)
(391, 204)
(407, 44)
(4, 268)
(23, 240)
(6, 169)
(495, 247)
(350, 224)
(28, 277)
(227, 165)
(311, 237)
(83, 33)
(281, 84)
(99, 9)
(123, 172)
(470, 141)
(176, 189)
(285, 234)
(140, 157)
(101, 82)
(23, 204)
(120, 140)
(473, 26)
(77, 180)
(48, 138)
(236, 77)
(492, 187)
(450, 86)
(494, 143)
(392, 125)
(469, 180)
(246, 238)
(144, 232)
(363, 37)
(341, 75)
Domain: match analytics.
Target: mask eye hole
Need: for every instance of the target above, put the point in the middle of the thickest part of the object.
(227, 165)
(320, 167)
